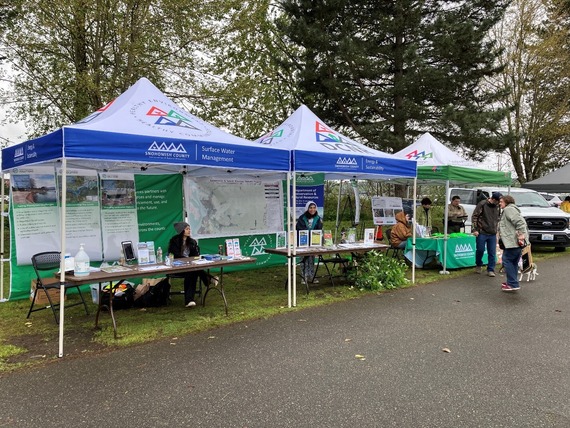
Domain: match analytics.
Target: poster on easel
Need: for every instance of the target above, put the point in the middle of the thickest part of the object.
(384, 209)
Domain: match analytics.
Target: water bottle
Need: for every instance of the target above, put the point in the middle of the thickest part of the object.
(159, 255)
(81, 262)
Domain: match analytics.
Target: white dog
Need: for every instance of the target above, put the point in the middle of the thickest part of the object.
(530, 272)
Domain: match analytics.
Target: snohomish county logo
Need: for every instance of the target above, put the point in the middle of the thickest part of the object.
(463, 250)
(415, 155)
(346, 163)
(305, 179)
(167, 150)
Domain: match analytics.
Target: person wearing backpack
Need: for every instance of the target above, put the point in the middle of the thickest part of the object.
(182, 245)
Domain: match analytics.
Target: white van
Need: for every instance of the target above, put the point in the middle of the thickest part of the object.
(548, 226)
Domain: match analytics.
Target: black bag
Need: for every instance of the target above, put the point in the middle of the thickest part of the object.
(157, 295)
(123, 301)
(501, 244)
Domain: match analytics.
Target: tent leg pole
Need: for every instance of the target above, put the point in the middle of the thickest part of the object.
(287, 239)
(445, 237)
(62, 254)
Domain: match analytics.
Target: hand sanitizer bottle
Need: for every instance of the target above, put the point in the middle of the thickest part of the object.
(81, 262)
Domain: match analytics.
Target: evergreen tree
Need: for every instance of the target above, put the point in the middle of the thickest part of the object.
(391, 70)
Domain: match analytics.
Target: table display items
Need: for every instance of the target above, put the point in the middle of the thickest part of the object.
(81, 262)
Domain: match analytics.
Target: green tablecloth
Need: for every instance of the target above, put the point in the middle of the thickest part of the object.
(460, 250)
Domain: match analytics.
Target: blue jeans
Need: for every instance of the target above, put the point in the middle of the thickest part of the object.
(511, 258)
(491, 242)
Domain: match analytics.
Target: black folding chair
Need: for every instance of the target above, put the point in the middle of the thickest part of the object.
(335, 261)
(50, 261)
(397, 252)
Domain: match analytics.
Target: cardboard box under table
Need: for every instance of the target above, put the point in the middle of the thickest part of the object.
(41, 298)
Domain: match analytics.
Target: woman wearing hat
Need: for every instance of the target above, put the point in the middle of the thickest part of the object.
(182, 245)
(309, 220)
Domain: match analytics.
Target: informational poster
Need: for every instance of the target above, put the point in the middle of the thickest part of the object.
(159, 205)
(384, 209)
(310, 188)
(82, 218)
(118, 212)
(35, 212)
(219, 207)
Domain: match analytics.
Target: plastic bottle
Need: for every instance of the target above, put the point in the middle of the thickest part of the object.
(122, 258)
(81, 262)
(159, 255)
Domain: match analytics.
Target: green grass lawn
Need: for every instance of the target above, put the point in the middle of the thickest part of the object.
(251, 294)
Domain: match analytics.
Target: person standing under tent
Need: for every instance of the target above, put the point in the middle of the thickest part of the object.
(182, 245)
(455, 215)
(484, 222)
(513, 233)
(309, 220)
(424, 214)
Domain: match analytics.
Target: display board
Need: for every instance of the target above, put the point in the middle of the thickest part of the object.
(384, 209)
(221, 207)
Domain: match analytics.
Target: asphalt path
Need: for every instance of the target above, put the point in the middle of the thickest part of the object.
(377, 361)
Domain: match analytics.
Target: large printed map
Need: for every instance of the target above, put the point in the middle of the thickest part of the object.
(223, 207)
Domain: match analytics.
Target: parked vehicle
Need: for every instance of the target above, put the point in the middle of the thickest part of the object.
(554, 200)
(548, 226)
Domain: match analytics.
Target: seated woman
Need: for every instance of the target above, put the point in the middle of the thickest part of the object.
(182, 245)
(401, 231)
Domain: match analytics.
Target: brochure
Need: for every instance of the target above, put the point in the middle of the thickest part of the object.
(142, 253)
(151, 253)
(230, 247)
(281, 239)
(351, 235)
(303, 238)
(237, 248)
(328, 238)
(316, 238)
(369, 236)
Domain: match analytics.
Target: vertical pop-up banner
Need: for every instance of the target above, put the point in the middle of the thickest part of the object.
(159, 205)
(118, 212)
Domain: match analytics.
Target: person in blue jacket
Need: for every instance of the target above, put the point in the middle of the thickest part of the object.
(309, 220)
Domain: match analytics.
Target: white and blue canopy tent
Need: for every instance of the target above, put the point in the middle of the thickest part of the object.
(142, 130)
(315, 147)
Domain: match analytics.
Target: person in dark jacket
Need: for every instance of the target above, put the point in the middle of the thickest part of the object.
(309, 220)
(484, 222)
(182, 245)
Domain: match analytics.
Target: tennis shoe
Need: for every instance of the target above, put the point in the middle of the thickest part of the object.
(191, 304)
(477, 269)
(506, 287)
(491, 273)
